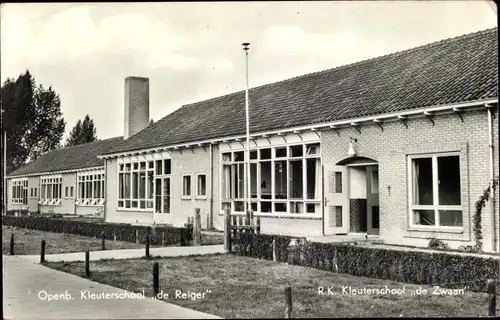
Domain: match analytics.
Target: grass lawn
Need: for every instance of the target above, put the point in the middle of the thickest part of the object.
(27, 241)
(242, 287)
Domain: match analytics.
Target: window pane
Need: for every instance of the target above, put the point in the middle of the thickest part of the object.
(127, 188)
(253, 180)
(253, 155)
(313, 178)
(226, 182)
(166, 195)
(296, 179)
(226, 157)
(296, 207)
(265, 181)
(159, 167)
(312, 149)
(66, 192)
(142, 185)
(121, 186)
(296, 151)
(89, 190)
(135, 185)
(280, 152)
(186, 186)
(71, 192)
(151, 164)
(150, 184)
(135, 166)
(265, 153)
(424, 217)
(143, 166)
(239, 156)
(157, 195)
(280, 207)
(97, 190)
(422, 182)
(280, 179)
(449, 180)
(450, 218)
(374, 181)
(167, 169)
(241, 181)
(311, 207)
(201, 185)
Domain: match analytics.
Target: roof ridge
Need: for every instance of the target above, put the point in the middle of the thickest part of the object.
(86, 143)
(341, 67)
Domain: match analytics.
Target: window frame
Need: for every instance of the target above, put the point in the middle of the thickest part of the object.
(198, 195)
(89, 191)
(50, 185)
(436, 207)
(227, 159)
(183, 195)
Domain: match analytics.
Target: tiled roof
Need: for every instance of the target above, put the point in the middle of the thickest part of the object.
(460, 69)
(76, 157)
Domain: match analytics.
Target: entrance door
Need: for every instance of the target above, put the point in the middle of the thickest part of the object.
(162, 200)
(336, 200)
(372, 199)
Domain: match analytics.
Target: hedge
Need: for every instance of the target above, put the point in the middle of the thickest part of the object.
(416, 267)
(164, 235)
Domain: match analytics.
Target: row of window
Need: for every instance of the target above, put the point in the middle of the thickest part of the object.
(91, 186)
(20, 191)
(282, 179)
(201, 186)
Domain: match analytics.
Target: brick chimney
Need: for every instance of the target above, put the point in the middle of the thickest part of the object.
(136, 105)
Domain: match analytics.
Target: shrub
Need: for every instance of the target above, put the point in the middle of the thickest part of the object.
(165, 235)
(406, 266)
(437, 244)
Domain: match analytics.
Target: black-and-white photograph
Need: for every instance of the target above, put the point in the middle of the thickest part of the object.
(250, 159)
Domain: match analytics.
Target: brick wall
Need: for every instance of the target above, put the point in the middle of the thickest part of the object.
(391, 147)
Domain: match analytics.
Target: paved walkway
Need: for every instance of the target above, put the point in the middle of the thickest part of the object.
(129, 253)
(26, 286)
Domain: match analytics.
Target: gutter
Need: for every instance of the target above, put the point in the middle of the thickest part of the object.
(211, 190)
(105, 189)
(492, 177)
(379, 118)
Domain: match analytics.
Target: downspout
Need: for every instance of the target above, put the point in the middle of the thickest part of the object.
(492, 195)
(211, 190)
(105, 188)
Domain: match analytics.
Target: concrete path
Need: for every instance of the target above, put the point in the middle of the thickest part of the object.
(129, 253)
(27, 286)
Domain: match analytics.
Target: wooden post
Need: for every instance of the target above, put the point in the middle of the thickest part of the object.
(87, 262)
(12, 244)
(114, 235)
(196, 228)
(288, 302)
(42, 252)
(147, 246)
(103, 241)
(274, 250)
(163, 238)
(136, 237)
(156, 278)
(492, 291)
(227, 231)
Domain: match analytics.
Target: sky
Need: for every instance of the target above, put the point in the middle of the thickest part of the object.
(192, 51)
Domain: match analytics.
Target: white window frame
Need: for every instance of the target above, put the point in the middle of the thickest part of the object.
(198, 195)
(257, 201)
(46, 183)
(90, 196)
(162, 176)
(19, 189)
(149, 188)
(435, 190)
(190, 196)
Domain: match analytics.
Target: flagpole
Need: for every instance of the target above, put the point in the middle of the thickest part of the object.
(249, 205)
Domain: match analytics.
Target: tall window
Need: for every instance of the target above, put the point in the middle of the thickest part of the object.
(136, 185)
(201, 185)
(162, 186)
(186, 186)
(90, 188)
(51, 190)
(283, 180)
(435, 196)
(20, 191)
